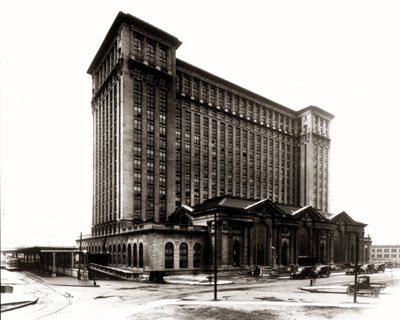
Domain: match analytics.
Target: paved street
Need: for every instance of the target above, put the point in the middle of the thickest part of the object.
(247, 297)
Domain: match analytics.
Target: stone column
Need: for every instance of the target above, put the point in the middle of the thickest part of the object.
(53, 274)
(291, 246)
(278, 245)
(246, 246)
(270, 245)
(331, 247)
(296, 241)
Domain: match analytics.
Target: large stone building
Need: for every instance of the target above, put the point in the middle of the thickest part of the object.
(176, 147)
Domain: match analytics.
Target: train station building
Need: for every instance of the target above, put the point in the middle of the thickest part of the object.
(181, 155)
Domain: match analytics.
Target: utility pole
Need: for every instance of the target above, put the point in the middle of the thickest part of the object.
(356, 270)
(215, 255)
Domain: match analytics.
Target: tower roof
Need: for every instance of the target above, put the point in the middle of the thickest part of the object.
(138, 24)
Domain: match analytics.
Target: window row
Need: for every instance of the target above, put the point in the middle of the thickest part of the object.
(183, 255)
(229, 102)
(150, 52)
(105, 68)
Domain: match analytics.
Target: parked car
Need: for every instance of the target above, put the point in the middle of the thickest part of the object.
(335, 267)
(302, 273)
(322, 271)
(351, 270)
(365, 268)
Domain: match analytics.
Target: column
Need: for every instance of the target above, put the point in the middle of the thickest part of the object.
(246, 246)
(291, 246)
(331, 248)
(278, 246)
(53, 274)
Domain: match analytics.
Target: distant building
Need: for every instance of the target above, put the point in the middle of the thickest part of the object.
(385, 253)
(176, 147)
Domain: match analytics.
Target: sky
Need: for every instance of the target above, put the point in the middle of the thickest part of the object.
(342, 56)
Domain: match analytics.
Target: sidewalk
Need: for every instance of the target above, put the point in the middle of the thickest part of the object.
(62, 280)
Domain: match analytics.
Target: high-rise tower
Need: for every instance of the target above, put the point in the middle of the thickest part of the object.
(167, 133)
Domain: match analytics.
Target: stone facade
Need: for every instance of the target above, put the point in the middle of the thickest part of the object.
(169, 136)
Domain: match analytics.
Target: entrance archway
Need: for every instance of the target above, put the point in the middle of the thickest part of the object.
(236, 254)
(337, 247)
(285, 254)
(261, 244)
(322, 253)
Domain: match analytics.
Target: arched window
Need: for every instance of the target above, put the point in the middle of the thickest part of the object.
(204, 93)
(141, 255)
(137, 48)
(262, 244)
(303, 242)
(151, 54)
(228, 102)
(135, 255)
(124, 254)
(115, 255)
(129, 255)
(183, 255)
(163, 59)
(119, 254)
(195, 90)
(169, 255)
(212, 96)
(236, 253)
(197, 255)
(337, 247)
(185, 85)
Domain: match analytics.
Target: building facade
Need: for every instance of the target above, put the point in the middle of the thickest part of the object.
(169, 136)
(385, 253)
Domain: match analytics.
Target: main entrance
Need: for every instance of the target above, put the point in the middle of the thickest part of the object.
(262, 244)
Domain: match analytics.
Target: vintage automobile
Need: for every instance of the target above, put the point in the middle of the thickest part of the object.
(322, 271)
(361, 269)
(302, 273)
(379, 267)
(365, 286)
(351, 270)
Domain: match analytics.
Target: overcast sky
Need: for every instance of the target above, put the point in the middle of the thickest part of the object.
(342, 56)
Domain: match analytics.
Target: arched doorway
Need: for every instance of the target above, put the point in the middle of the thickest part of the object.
(337, 247)
(129, 255)
(135, 260)
(119, 254)
(285, 254)
(236, 254)
(141, 254)
(124, 254)
(304, 246)
(261, 244)
(322, 253)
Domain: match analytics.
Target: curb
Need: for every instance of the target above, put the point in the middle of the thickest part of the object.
(18, 304)
(59, 284)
